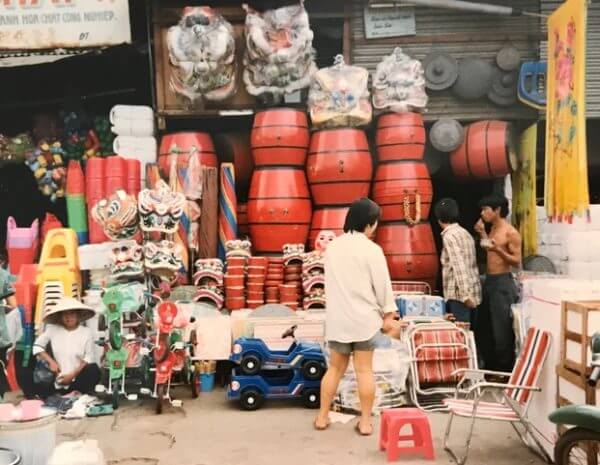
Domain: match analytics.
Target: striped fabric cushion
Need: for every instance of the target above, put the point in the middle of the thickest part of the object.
(436, 364)
(530, 364)
(486, 410)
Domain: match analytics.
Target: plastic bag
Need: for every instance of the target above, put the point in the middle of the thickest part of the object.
(84, 452)
(202, 52)
(399, 84)
(339, 96)
(279, 57)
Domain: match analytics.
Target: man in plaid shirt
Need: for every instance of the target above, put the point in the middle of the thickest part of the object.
(462, 286)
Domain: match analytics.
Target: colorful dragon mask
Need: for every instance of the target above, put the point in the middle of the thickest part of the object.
(238, 248)
(323, 239)
(211, 294)
(315, 299)
(312, 261)
(208, 271)
(117, 215)
(202, 51)
(160, 208)
(399, 84)
(292, 252)
(164, 257)
(127, 260)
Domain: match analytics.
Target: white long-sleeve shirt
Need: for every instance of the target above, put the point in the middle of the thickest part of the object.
(69, 348)
(358, 289)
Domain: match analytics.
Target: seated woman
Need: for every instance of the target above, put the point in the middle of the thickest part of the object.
(67, 347)
(9, 332)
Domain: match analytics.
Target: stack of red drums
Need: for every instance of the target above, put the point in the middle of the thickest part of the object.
(279, 205)
(257, 273)
(403, 188)
(339, 170)
(234, 281)
(275, 279)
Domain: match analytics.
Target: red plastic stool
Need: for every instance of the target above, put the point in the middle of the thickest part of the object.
(392, 422)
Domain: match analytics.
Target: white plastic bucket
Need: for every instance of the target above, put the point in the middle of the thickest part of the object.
(133, 145)
(33, 440)
(131, 112)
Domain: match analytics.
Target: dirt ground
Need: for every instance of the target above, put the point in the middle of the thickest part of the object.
(213, 431)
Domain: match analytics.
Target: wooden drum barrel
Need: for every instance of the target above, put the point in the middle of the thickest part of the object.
(400, 136)
(339, 166)
(410, 251)
(184, 144)
(327, 219)
(401, 181)
(280, 137)
(279, 208)
(487, 152)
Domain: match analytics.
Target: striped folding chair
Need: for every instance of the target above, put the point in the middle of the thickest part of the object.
(438, 349)
(514, 396)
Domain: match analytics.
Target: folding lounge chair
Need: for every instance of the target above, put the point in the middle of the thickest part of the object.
(515, 395)
(438, 349)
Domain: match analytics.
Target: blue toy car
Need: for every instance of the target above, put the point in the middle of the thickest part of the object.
(253, 355)
(252, 391)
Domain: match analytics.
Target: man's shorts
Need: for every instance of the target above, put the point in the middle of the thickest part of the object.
(346, 348)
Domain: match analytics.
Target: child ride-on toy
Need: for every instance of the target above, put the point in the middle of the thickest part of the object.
(252, 355)
(251, 391)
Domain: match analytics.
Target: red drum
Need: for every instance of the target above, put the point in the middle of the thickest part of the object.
(280, 137)
(401, 181)
(185, 144)
(339, 166)
(400, 136)
(331, 218)
(279, 208)
(488, 151)
(410, 251)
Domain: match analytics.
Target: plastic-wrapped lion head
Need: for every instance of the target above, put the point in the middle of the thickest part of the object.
(202, 50)
(160, 208)
(117, 215)
(208, 271)
(399, 84)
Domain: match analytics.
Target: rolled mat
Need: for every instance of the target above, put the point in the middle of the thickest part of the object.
(227, 208)
(209, 213)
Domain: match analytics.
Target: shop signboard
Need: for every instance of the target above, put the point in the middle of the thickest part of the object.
(389, 22)
(51, 24)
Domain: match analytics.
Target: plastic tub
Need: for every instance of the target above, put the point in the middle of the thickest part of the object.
(19, 436)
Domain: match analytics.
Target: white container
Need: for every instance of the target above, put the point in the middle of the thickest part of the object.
(123, 145)
(34, 440)
(131, 112)
(94, 256)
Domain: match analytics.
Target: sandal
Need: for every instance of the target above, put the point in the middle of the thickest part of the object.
(360, 433)
(321, 428)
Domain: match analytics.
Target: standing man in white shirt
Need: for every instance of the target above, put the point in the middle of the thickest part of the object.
(359, 304)
(462, 286)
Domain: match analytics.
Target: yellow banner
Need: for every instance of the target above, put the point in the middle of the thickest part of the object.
(566, 190)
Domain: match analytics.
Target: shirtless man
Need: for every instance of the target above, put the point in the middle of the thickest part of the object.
(494, 329)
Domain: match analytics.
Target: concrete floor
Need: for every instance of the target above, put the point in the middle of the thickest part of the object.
(213, 431)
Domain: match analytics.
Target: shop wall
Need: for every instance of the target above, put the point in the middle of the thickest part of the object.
(593, 53)
(461, 35)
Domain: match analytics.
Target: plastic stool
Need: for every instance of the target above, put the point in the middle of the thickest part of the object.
(392, 422)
